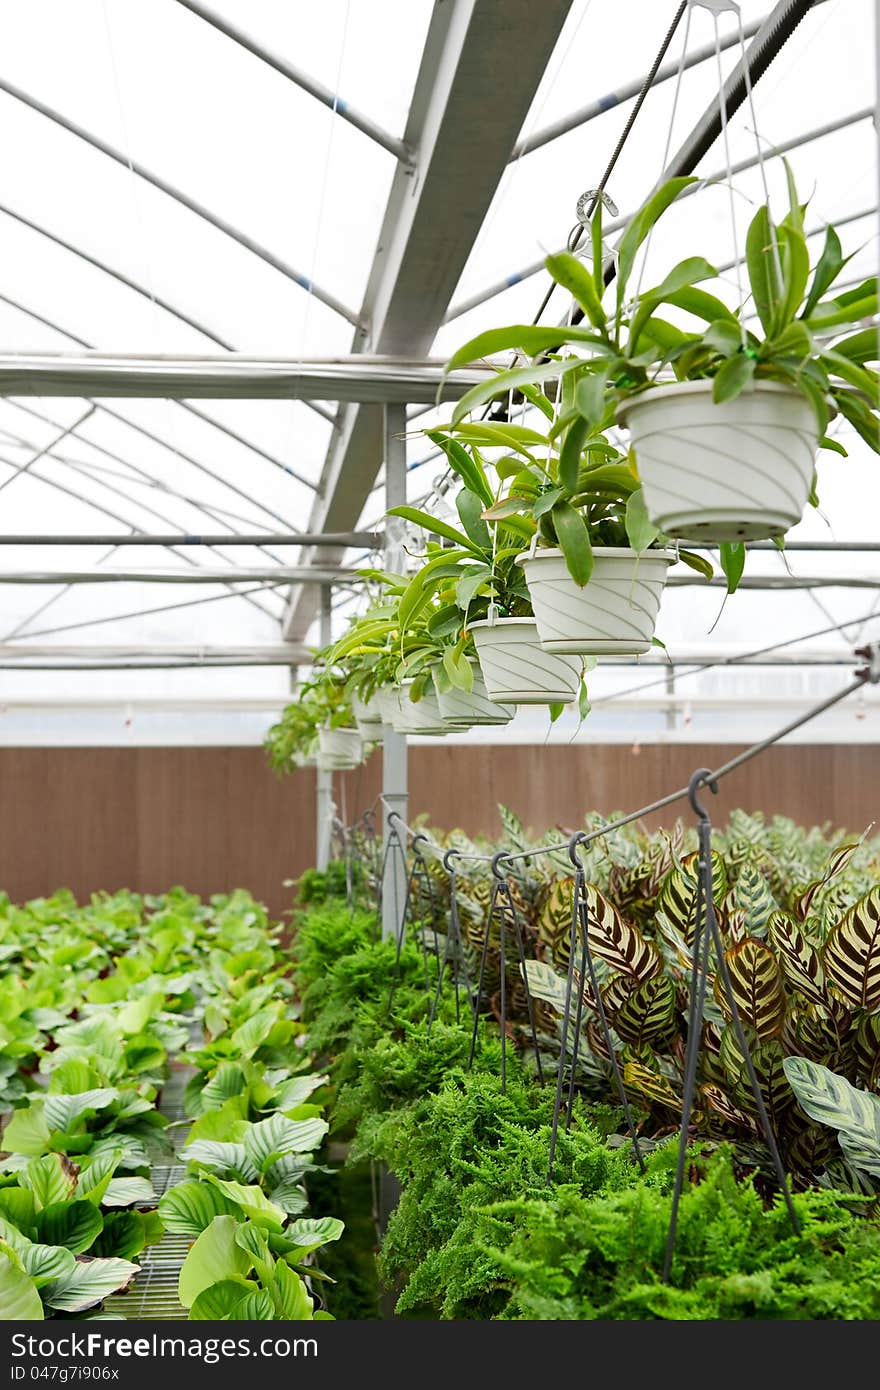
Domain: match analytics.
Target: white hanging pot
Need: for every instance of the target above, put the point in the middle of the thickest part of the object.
(516, 668)
(368, 717)
(615, 613)
(463, 709)
(339, 749)
(408, 716)
(738, 471)
(308, 759)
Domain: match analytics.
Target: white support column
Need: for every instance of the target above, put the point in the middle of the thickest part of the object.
(324, 783)
(394, 760)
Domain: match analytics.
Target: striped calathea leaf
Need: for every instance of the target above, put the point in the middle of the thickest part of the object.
(812, 896)
(617, 942)
(751, 900)
(767, 1061)
(799, 959)
(647, 1016)
(651, 1086)
(756, 984)
(677, 898)
(851, 954)
(832, 1101)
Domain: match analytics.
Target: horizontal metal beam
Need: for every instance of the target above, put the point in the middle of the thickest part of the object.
(364, 540)
(360, 377)
(778, 581)
(285, 653)
(304, 80)
(199, 574)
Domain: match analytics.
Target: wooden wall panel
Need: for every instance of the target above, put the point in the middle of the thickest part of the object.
(217, 818)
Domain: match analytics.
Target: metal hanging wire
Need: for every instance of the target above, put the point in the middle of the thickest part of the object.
(502, 904)
(708, 938)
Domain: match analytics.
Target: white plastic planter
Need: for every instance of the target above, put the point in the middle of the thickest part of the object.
(615, 613)
(463, 709)
(738, 471)
(517, 670)
(339, 749)
(302, 760)
(368, 717)
(408, 716)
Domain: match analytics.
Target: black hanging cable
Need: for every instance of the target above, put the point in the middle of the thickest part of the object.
(618, 149)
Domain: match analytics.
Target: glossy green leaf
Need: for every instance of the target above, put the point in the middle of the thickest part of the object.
(72, 1224)
(572, 275)
(19, 1300)
(574, 542)
(213, 1257)
(88, 1283)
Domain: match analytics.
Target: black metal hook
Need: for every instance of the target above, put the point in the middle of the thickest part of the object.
(572, 848)
(496, 860)
(446, 858)
(701, 778)
(418, 837)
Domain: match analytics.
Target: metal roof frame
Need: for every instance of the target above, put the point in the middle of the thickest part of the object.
(463, 129)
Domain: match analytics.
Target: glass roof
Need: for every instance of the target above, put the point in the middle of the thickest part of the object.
(96, 255)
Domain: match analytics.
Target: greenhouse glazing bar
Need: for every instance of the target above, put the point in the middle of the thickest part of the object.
(359, 377)
(364, 540)
(324, 777)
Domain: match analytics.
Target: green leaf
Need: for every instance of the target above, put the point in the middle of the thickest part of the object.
(60, 1111)
(832, 1101)
(47, 1262)
(574, 542)
(640, 226)
(189, 1208)
(312, 1232)
(124, 1235)
(222, 1300)
(685, 274)
(732, 377)
(249, 1036)
(228, 1080)
(795, 260)
(436, 527)
(733, 558)
(470, 510)
(88, 1283)
(94, 1180)
(572, 275)
(18, 1206)
(570, 454)
(509, 381)
(74, 1225)
(254, 1307)
(27, 1131)
(253, 1242)
(215, 1256)
(526, 338)
(700, 563)
(19, 1300)
(459, 669)
(763, 273)
(703, 306)
(269, 1139)
(290, 1297)
(221, 1157)
(251, 1200)
(640, 530)
(464, 464)
(124, 1192)
(827, 270)
(860, 347)
(589, 397)
(51, 1179)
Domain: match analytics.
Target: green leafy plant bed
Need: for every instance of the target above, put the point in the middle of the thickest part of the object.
(96, 1003)
(478, 1231)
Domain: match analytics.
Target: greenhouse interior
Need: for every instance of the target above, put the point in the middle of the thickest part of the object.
(439, 833)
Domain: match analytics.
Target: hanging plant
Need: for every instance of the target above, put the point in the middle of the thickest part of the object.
(725, 424)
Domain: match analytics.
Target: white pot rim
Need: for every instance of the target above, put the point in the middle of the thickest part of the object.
(610, 552)
(505, 622)
(702, 387)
